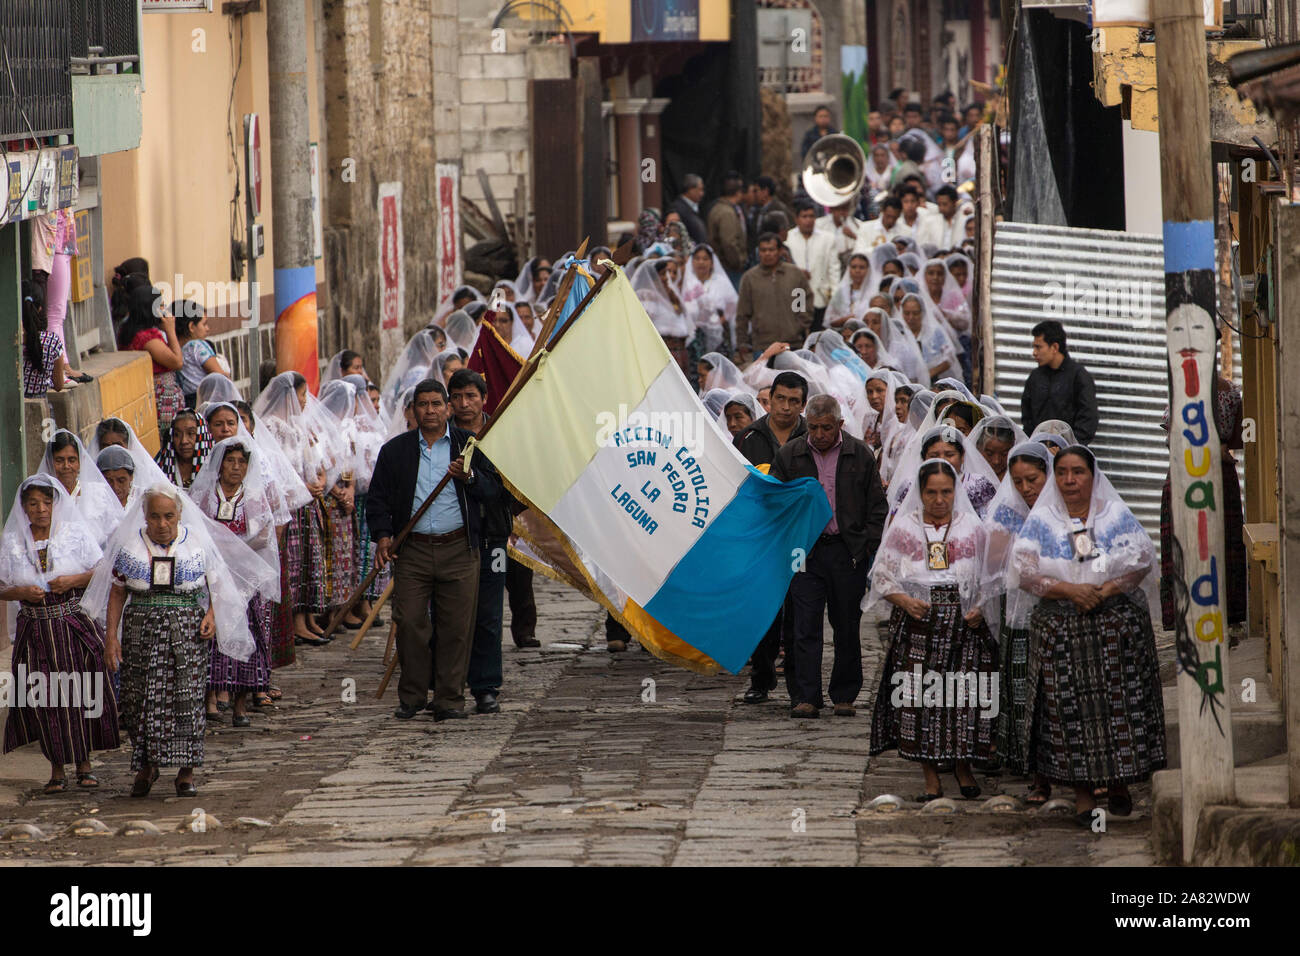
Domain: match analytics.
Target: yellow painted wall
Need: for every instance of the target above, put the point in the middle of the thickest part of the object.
(170, 200)
(612, 19)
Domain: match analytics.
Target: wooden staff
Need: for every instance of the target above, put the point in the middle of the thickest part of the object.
(1195, 476)
(370, 618)
(523, 376)
(392, 639)
(557, 304)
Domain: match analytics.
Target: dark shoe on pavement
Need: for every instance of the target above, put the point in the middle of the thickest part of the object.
(186, 789)
(241, 720)
(844, 710)
(487, 704)
(804, 711)
(405, 713)
(441, 714)
(617, 647)
(527, 642)
(755, 696)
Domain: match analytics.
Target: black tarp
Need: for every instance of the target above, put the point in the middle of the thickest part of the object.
(1067, 153)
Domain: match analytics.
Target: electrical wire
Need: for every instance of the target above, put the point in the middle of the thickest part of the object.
(30, 129)
(237, 64)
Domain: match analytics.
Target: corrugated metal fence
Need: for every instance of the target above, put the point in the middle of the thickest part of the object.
(1107, 289)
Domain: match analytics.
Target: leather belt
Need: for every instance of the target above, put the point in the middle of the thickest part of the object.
(439, 538)
(826, 538)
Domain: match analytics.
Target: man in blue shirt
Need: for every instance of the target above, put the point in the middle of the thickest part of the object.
(439, 559)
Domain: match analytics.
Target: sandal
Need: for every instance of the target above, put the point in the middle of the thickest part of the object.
(928, 796)
(274, 693)
(215, 717)
(56, 785)
(261, 700)
(87, 781)
(1038, 795)
(141, 788)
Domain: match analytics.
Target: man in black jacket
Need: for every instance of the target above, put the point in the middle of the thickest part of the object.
(688, 206)
(834, 576)
(440, 557)
(760, 443)
(1060, 388)
(467, 389)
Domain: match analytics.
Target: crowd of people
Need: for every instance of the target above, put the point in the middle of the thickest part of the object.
(830, 344)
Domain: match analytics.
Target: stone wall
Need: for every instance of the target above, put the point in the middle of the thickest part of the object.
(494, 125)
(391, 113)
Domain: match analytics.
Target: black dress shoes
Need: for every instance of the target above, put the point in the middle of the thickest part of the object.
(755, 695)
(528, 642)
(488, 704)
(405, 713)
(439, 714)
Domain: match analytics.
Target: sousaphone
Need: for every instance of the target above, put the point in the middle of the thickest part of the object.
(833, 170)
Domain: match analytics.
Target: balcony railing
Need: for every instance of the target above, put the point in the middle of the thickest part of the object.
(34, 53)
(104, 38)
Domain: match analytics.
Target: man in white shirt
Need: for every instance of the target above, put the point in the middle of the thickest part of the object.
(947, 229)
(813, 251)
(879, 231)
(842, 227)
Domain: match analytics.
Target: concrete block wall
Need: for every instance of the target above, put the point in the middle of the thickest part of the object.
(494, 121)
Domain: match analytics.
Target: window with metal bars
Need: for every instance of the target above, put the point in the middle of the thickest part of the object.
(104, 36)
(35, 84)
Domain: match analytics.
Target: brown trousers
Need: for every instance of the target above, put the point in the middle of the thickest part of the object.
(447, 574)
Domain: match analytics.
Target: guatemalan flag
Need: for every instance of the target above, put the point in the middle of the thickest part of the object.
(690, 546)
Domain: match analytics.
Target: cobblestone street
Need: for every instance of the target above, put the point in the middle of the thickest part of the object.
(578, 768)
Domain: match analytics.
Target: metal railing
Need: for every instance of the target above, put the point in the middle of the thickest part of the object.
(1245, 18)
(104, 37)
(234, 346)
(35, 85)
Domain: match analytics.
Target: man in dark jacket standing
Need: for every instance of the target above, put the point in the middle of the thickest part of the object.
(687, 205)
(760, 443)
(834, 577)
(467, 389)
(1060, 388)
(440, 557)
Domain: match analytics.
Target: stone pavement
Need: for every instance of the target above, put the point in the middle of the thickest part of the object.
(596, 759)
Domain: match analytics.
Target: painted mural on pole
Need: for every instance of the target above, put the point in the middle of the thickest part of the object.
(1195, 462)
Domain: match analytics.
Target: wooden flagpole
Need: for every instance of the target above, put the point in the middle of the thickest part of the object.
(1195, 475)
(370, 618)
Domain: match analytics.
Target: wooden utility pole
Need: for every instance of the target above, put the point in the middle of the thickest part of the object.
(986, 169)
(1195, 469)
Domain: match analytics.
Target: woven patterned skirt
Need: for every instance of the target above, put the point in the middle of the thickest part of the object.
(342, 564)
(226, 673)
(169, 397)
(1095, 713)
(1013, 688)
(164, 675)
(309, 593)
(281, 612)
(921, 727)
(56, 638)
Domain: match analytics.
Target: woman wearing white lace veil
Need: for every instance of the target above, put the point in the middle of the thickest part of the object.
(718, 371)
(867, 346)
(172, 580)
(946, 296)
(231, 489)
(912, 264)
(525, 282)
(901, 344)
(461, 330)
(295, 421)
(962, 271)
(664, 307)
(1029, 467)
(344, 554)
(740, 411)
(216, 388)
(114, 431)
(882, 420)
(993, 437)
(520, 339)
(932, 163)
(67, 460)
(346, 362)
(710, 298)
(1095, 712)
(850, 298)
(1054, 426)
(47, 557)
(929, 569)
(411, 366)
(1050, 440)
(402, 419)
(848, 375)
(937, 349)
(943, 441)
(285, 489)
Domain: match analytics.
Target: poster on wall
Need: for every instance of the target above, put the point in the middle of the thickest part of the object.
(659, 21)
(1138, 13)
(392, 291)
(449, 251)
(175, 6)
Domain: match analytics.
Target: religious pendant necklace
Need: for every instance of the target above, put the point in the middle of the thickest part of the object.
(938, 550)
(162, 567)
(226, 506)
(1084, 547)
